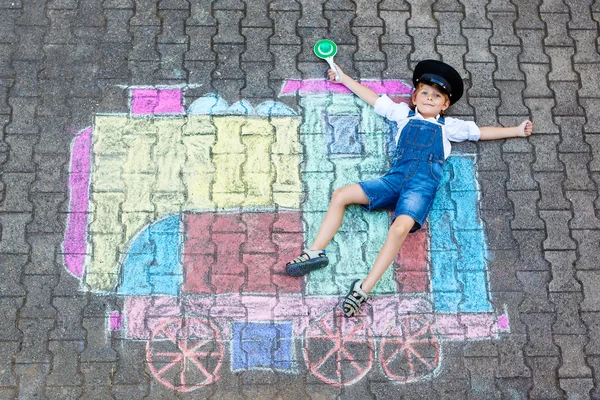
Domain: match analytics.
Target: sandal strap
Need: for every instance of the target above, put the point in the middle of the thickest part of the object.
(362, 295)
(354, 299)
(350, 309)
(304, 256)
(301, 258)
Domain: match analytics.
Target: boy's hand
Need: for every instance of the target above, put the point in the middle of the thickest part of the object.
(331, 74)
(526, 128)
(495, 132)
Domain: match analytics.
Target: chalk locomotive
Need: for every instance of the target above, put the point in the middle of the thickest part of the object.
(190, 214)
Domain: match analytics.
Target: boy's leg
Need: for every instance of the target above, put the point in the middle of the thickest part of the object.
(314, 257)
(341, 198)
(396, 235)
(359, 290)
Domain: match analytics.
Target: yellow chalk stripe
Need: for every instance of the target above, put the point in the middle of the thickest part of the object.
(228, 173)
(139, 126)
(108, 132)
(287, 200)
(168, 156)
(228, 135)
(168, 202)
(197, 153)
(228, 200)
(287, 140)
(138, 192)
(287, 172)
(102, 271)
(257, 126)
(198, 195)
(139, 153)
(198, 171)
(105, 209)
(198, 125)
(285, 158)
(107, 172)
(104, 282)
(259, 189)
(258, 157)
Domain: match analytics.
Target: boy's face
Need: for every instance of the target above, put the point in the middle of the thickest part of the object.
(430, 101)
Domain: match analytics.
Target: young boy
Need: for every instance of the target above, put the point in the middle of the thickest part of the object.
(410, 185)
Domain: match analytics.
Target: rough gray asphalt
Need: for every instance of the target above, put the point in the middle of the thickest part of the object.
(64, 61)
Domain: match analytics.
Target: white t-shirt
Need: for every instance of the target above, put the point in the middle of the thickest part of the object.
(453, 129)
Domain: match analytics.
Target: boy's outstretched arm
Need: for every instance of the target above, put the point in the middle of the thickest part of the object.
(496, 132)
(361, 91)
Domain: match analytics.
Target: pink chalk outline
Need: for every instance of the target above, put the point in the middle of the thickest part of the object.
(391, 87)
(116, 320)
(145, 312)
(503, 322)
(156, 101)
(79, 181)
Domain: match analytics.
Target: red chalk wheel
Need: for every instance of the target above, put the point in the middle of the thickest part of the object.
(409, 349)
(339, 350)
(185, 353)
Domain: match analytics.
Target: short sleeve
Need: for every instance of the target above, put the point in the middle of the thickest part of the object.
(391, 110)
(457, 130)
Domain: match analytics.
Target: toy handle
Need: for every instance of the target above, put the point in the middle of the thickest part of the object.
(329, 60)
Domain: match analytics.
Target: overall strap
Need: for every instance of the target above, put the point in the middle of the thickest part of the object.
(411, 113)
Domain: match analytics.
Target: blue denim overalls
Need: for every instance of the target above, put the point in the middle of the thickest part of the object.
(410, 184)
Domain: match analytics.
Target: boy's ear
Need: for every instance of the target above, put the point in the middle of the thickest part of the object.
(446, 104)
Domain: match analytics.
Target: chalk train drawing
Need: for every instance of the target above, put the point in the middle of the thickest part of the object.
(191, 213)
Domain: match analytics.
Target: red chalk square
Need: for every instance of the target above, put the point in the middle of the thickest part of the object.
(259, 228)
(197, 273)
(228, 223)
(259, 267)
(289, 244)
(227, 283)
(412, 282)
(228, 253)
(413, 255)
(198, 225)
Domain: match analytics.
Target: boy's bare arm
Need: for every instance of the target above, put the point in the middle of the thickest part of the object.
(496, 132)
(361, 91)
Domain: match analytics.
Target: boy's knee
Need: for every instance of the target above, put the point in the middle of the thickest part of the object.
(338, 197)
(401, 226)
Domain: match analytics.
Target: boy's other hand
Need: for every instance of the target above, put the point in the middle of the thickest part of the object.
(331, 74)
(526, 128)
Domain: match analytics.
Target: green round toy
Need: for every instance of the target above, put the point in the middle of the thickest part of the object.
(325, 49)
